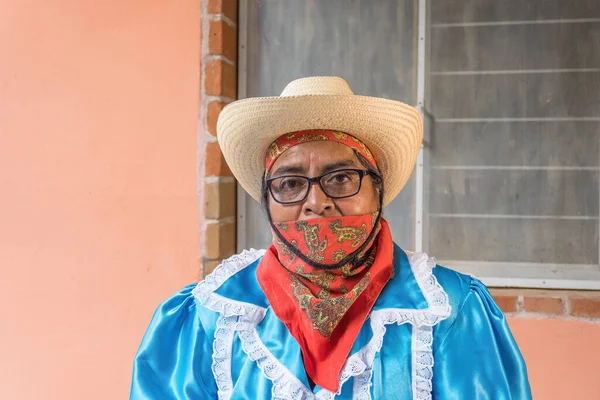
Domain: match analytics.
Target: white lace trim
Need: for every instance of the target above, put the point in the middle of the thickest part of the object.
(205, 290)
(222, 345)
(422, 362)
(285, 384)
(230, 311)
(360, 364)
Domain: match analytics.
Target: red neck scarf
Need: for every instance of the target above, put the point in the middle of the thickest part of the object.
(333, 303)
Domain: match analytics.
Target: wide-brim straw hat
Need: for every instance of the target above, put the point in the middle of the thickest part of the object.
(392, 130)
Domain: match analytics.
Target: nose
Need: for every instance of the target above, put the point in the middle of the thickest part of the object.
(317, 203)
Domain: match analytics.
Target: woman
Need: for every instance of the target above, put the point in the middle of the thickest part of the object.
(333, 308)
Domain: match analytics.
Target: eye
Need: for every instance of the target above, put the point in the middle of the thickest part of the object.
(342, 183)
(340, 177)
(290, 184)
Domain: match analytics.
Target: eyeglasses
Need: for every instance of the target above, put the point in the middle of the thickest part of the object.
(337, 184)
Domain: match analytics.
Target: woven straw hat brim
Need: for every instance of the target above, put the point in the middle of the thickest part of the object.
(392, 130)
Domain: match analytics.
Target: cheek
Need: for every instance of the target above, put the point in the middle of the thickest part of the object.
(364, 202)
(281, 213)
(358, 205)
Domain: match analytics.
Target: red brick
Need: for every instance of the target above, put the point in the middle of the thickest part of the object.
(220, 79)
(213, 110)
(222, 40)
(229, 8)
(214, 163)
(219, 200)
(588, 307)
(229, 81)
(507, 303)
(213, 77)
(220, 240)
(545, 305)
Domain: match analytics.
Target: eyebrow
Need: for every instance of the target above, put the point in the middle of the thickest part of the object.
(338, 164)
(294, 169)
(287, 169)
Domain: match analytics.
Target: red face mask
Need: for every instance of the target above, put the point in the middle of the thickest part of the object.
(326, 294)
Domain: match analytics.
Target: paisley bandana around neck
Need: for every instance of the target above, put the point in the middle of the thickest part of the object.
(333, 303)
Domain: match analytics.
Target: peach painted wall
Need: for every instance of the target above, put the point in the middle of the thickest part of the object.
(562, 356)
(98, 205)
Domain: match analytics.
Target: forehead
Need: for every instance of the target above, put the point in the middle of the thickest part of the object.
(315, 154)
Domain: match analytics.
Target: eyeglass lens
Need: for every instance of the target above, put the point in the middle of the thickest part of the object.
(336, 184)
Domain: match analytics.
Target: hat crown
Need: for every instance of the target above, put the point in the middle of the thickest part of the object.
(317, 85)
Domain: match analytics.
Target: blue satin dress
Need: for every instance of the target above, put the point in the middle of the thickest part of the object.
(433, 333)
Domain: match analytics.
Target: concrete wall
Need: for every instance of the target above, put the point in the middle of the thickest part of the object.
(98, 205)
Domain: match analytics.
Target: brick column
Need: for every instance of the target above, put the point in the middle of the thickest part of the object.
(218, 88)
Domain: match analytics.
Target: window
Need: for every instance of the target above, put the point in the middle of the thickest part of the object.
(507, 187)
(514, 152)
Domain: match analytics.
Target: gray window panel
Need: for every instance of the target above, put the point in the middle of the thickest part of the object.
(514, 240)
(548, 46)
(367, 42)
(445, 11)
(508, 190)
(535, 144)
(537, 193)
(370, 43)
(516, 96)
(258, 229)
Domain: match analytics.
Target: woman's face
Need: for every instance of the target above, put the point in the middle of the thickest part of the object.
(314, 159)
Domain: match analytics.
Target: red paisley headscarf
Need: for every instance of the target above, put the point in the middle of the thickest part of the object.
(289, 140)
(325, 308)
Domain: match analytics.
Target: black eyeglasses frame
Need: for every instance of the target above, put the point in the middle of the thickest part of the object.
(317, 179)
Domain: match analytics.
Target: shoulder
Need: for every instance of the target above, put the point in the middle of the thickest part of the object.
(467, 296)
(200, 304)
(456, 285)
(180, 310)
(233, 286)
(460, 287)
(179, 305)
